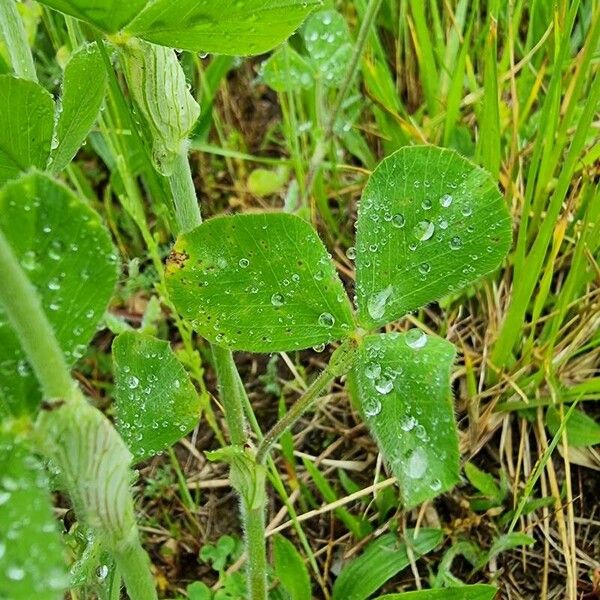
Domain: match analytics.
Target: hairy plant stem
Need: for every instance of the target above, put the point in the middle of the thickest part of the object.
(134, 565)
(339, 364)
(322, 144)
(15, 38)
(26, 315)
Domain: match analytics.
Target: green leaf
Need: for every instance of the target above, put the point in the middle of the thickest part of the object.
(430, 222)
(507, 542)
(227, 27)
(107, 15)
(32, 557)
(327, 39)
(382, 559)
(482, 481)
(467, 592)
(581, 430)
(263, 182)
(260, 283)
(84, 86)
(26, 126)
(157, 403)
(403, 385)
(290, 569)
(286, 70)
(69, 257)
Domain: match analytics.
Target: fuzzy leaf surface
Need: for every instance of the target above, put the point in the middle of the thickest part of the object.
(227, 27)
(32, 558)
(403, 383)
(83, 92)
(69, 257)
(157, 403)
(430, 223)
(26, 126)
(258, 283)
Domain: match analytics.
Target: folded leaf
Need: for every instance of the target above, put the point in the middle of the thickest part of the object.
(403, 383)
(107, 15)
(83, 92)
(32, 558)
(157, 403)
(69, 257)
(382, 559)
(225, 27)
(26, 126)
(467, 592)
(430, 222)
(260, 283)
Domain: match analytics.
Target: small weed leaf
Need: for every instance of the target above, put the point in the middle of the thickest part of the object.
(430, 223)
(157, 403)
(68, 256)
(108, 15)
(259, 283)
(403, 384)
(286, 70)
(232, 27)
(32, 559)
(290, 569)
(26, 126)
(382, 559)
(466, 592)
(83, 92)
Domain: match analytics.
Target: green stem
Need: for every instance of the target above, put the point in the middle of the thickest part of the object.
(340, 363)
(26, 315)
(15, 38)
(134, 565)
(254, 528)
(187, 211)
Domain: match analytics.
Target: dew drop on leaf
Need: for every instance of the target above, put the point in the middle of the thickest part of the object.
(384, 386)
(398, 221)
(377, 302)
(372, 371)
(351, 253)
(133, 382)
(423, 230)
(417, 464)
(244, 262)
(326, 320)
(446, 200)
(407, 422)
(277, 299)
(372, 407)
(456, 243)
(415, 339)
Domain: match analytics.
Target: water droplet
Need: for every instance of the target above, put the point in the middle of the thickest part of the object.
(424, 268)
(417, 464)
(436, 485)
(426, 204)
(15, 573)
(319, 347)
(466, 211)
(102, 572)
(372, 407)
(277, 299)
(376, 303)
(423, 230)
(28, 260)
(244, 262)
(372, 371)
(456, 243)
(351, 253)
(54, 284)
(326, 320)
(407, 423)
(398, 221)
(384, 386)
(446, 200)
(415, 339)
(133, 382)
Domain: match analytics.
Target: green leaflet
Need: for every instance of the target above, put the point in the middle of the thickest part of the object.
(382, 559)
(329, 46)
(69, 257)
(225, 27)
(290, 569)
(157, 403)
(84, 86)
(157, 83)
(26, 126)
(32, 557)
(581, 430)
(430, 222)
(93, 462)
(467, 592)
(403, 383)
(260, 283)
(107, 15)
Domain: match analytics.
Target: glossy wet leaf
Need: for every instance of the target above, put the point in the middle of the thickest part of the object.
(290, 569)
(380, 561)
(467, 592)
(107, 15)
(430, 222)
(260, 283)
(83, 90)
(157, 403)
(403, 383)
(32, 558)
(231, 27)
(329, 45)
(68, 256)
(286, 70)
(26, 126)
